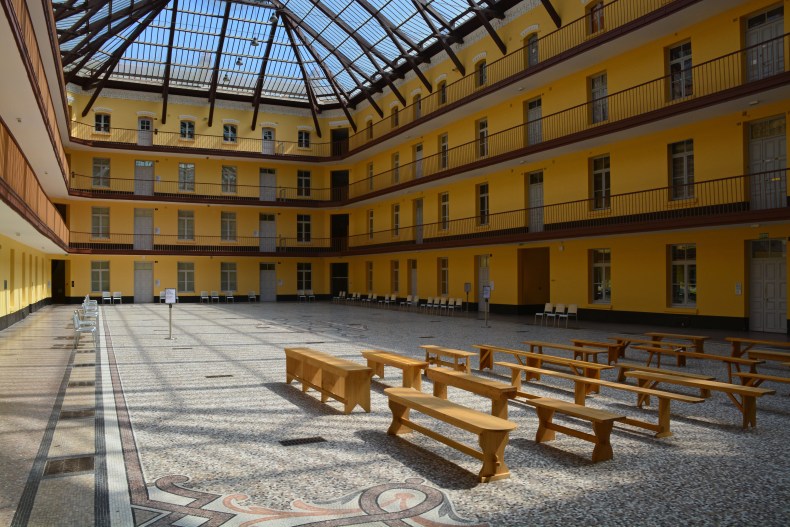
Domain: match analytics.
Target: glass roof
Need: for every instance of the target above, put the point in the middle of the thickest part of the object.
(317, 53)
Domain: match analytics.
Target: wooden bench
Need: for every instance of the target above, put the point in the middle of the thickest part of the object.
(697, 341)
(756, 379)
(733, 364)
(749, 394)
(581, 387)
(434, 354)
(769, 355)
(623, 367)
(498, 392)
(741, 345)
(536, 346)
(613, 349)
(341, 379)
(412, 368)
(492, 431)
(629, 341)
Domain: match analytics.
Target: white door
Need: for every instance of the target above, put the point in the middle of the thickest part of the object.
(268, 182)
(534, 122)
(268, 233)
(268, 280)
(145, 131)
(143, 229)
(768, 286)
(767, 163)
(143, 282)
(418, 160)
(482, 281)
(267, 135)
(418, 220)
(765, 51)
(144, 178)
(536, 202)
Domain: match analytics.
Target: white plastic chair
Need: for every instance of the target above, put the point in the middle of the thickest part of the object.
(406, 302)
(229, 297)
(252, 296)
(310, 295)
(81, 327)
(558, 310)
(106, 297)
(573, 311)
(204, 297)
(215, 296)
(548, 308)
(161, 297)
(117, 296)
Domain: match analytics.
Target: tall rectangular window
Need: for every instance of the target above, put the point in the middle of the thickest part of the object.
(304, 276)
(601, 276)
(100, 276)
(599, 100)
(303, 183)
(102, 123)
(394, 276)
(396, 219)
(186, 177)
(101, 172)
(482, 204)
(229, 133)
(443, 269)
(482, 137)
(228, 226)
(395, 117)
(681, 83)
(681, 169)
(444, 210)
(396, 167)
(595, 18)
(187, 130)
(186, 225)
(186, 277)
(228, 179)
(369, 276)
(444, 151)
(227, 276)
(442, 89)
(303, 228)
(303, 139)
(370, 224)
(369, 175)
(100, 222)
(481, 73)
(683, 272)
(599, 176)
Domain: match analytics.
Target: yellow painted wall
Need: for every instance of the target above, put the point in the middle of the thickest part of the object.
(24, 276)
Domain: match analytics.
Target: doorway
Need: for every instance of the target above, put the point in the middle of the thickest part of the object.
(418, 220)
(145, 131)
(768, 286)
(339, 278)
(143, 229)
(339, 180)
(58, 278)
(267, 229)
(339, 231)
(767, 163)
(267, 140)
(143, 282)
(339, 139)
(535, 201)
(268, 184)
(534, 278)
(482, 263)
(268, 282)
(765, 53)
(412, 279)
(418, 160)
(143, 178)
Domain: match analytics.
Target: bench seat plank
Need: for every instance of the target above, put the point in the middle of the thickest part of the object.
(498, 392)
(536, 346)
(412, 368)
(756, 379)
(771, 355)
(461, 358)
(741, 345)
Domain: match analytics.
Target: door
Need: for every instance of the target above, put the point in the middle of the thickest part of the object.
(143, 282)
(534, 122)
(768, 286)
(58, 277)
(268, 280)
(145, 131)
(767, 163)
(418, 160)
(268, 233)
(531, 57)
(268, 138)
(268, 183)
(412, 278)
(143, 229)
(418, 220)
(765, 47)
(339, 232)
(339, 139)
(339, 180)
(535, 202)
(339, 280)
(144, 178)
(482, 264)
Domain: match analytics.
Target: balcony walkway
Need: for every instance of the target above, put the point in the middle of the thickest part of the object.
(188, 431)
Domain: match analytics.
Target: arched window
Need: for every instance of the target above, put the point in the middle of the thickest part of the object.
(481, 75)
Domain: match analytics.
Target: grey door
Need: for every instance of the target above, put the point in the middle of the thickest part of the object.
(534, 122)
(765, 51)
(268, 183)
(145, 131)
(413, 279)
(268, 233)
(267, 135)
(268, 280)
(767, 163)
(143, 229)
(144, 178)
(418, 160)
(536, 202)
(143, 282)
(482, 281)
(768, 286)
(418, 220)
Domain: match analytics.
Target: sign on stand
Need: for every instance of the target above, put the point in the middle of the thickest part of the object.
(170, 299)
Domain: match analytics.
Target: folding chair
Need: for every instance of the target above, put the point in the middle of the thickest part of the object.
(558, 309)
(548, 308)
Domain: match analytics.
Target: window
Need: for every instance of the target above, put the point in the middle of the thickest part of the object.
(417, 105)
(186, 177)
(680, 75)
(228, 226)
(100, 222)
(443, 276)
(102, 123)
(601, 190)
(598, 99)
(369, 276)
(304, 276)
(370, 224)
(229, 133)
(303, 183)
(444, 151)
(186, 225)
(303, 228)
(396, 167)
(595, 18)
(396, 219)
(601, 260)
(186, 277)
(394, 117)
(444, 210)
(370, 129)
(531, 48)
(481, 73)
(369, 172)
(303, 139)
(101, 172)
(681, 169)
(683, 271)
(482, 204)
(227, 276)
(187, 130)
(228, 179)
(442, 90)
(482, 137)
(394, 276)
(100, 276)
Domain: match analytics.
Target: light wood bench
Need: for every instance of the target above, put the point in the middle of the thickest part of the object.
(492, 431)
(741, 345)
(341, 379)
(733, 364)
(630, 341)
(581, 386)
(697, 341)
(412, 368)
(769, 355)
(614, 350)
(434, 355)
(756, 379)
(623, 367)
(601, 421)
(747, 405)
(498, 392)
(536, 346)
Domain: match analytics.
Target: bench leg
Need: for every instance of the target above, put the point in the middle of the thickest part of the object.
(440, 390)
(486, 359)
(545, 417)
(515, 379)
(499, 408)
(399, 413)
(603, 448)
(412, 378)
(663, 417)
(493, 443)
(749, 411)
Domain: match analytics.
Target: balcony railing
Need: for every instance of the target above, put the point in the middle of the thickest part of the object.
(571, 39)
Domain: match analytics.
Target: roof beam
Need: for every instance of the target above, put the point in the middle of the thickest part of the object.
(555, 17)
(308, 87)
(168, 62)
(483, 17)
(439, 37)
(212, 97)
(256, 98)
(390, 28)
(133, 10)
(64, 9)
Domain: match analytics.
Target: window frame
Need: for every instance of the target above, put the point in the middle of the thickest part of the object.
(394, 276)
(100, 223)
(370, 223)
(186, 177)
(599, 98)
(444, 211)
(395, 219)
(303, 228)
(304, 182)
(394, 117)
(681, 184)
(481, 133)
(100, 180)
(187, 130)
(100, 276)
(102, 123)
(688, 267)
(229, 184)
(600, 183)
(230, 133)
(441, 89)
(443, 275)
(186, 225)
(227, 226)
(395, 161)
(185, 277)
(444, 151)
(600, 276)
(304, 276)
(303, 139)
(679, 71)
(595, 18)
(483, 204)
(369, 276)
(481, 73)
(228, 277)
